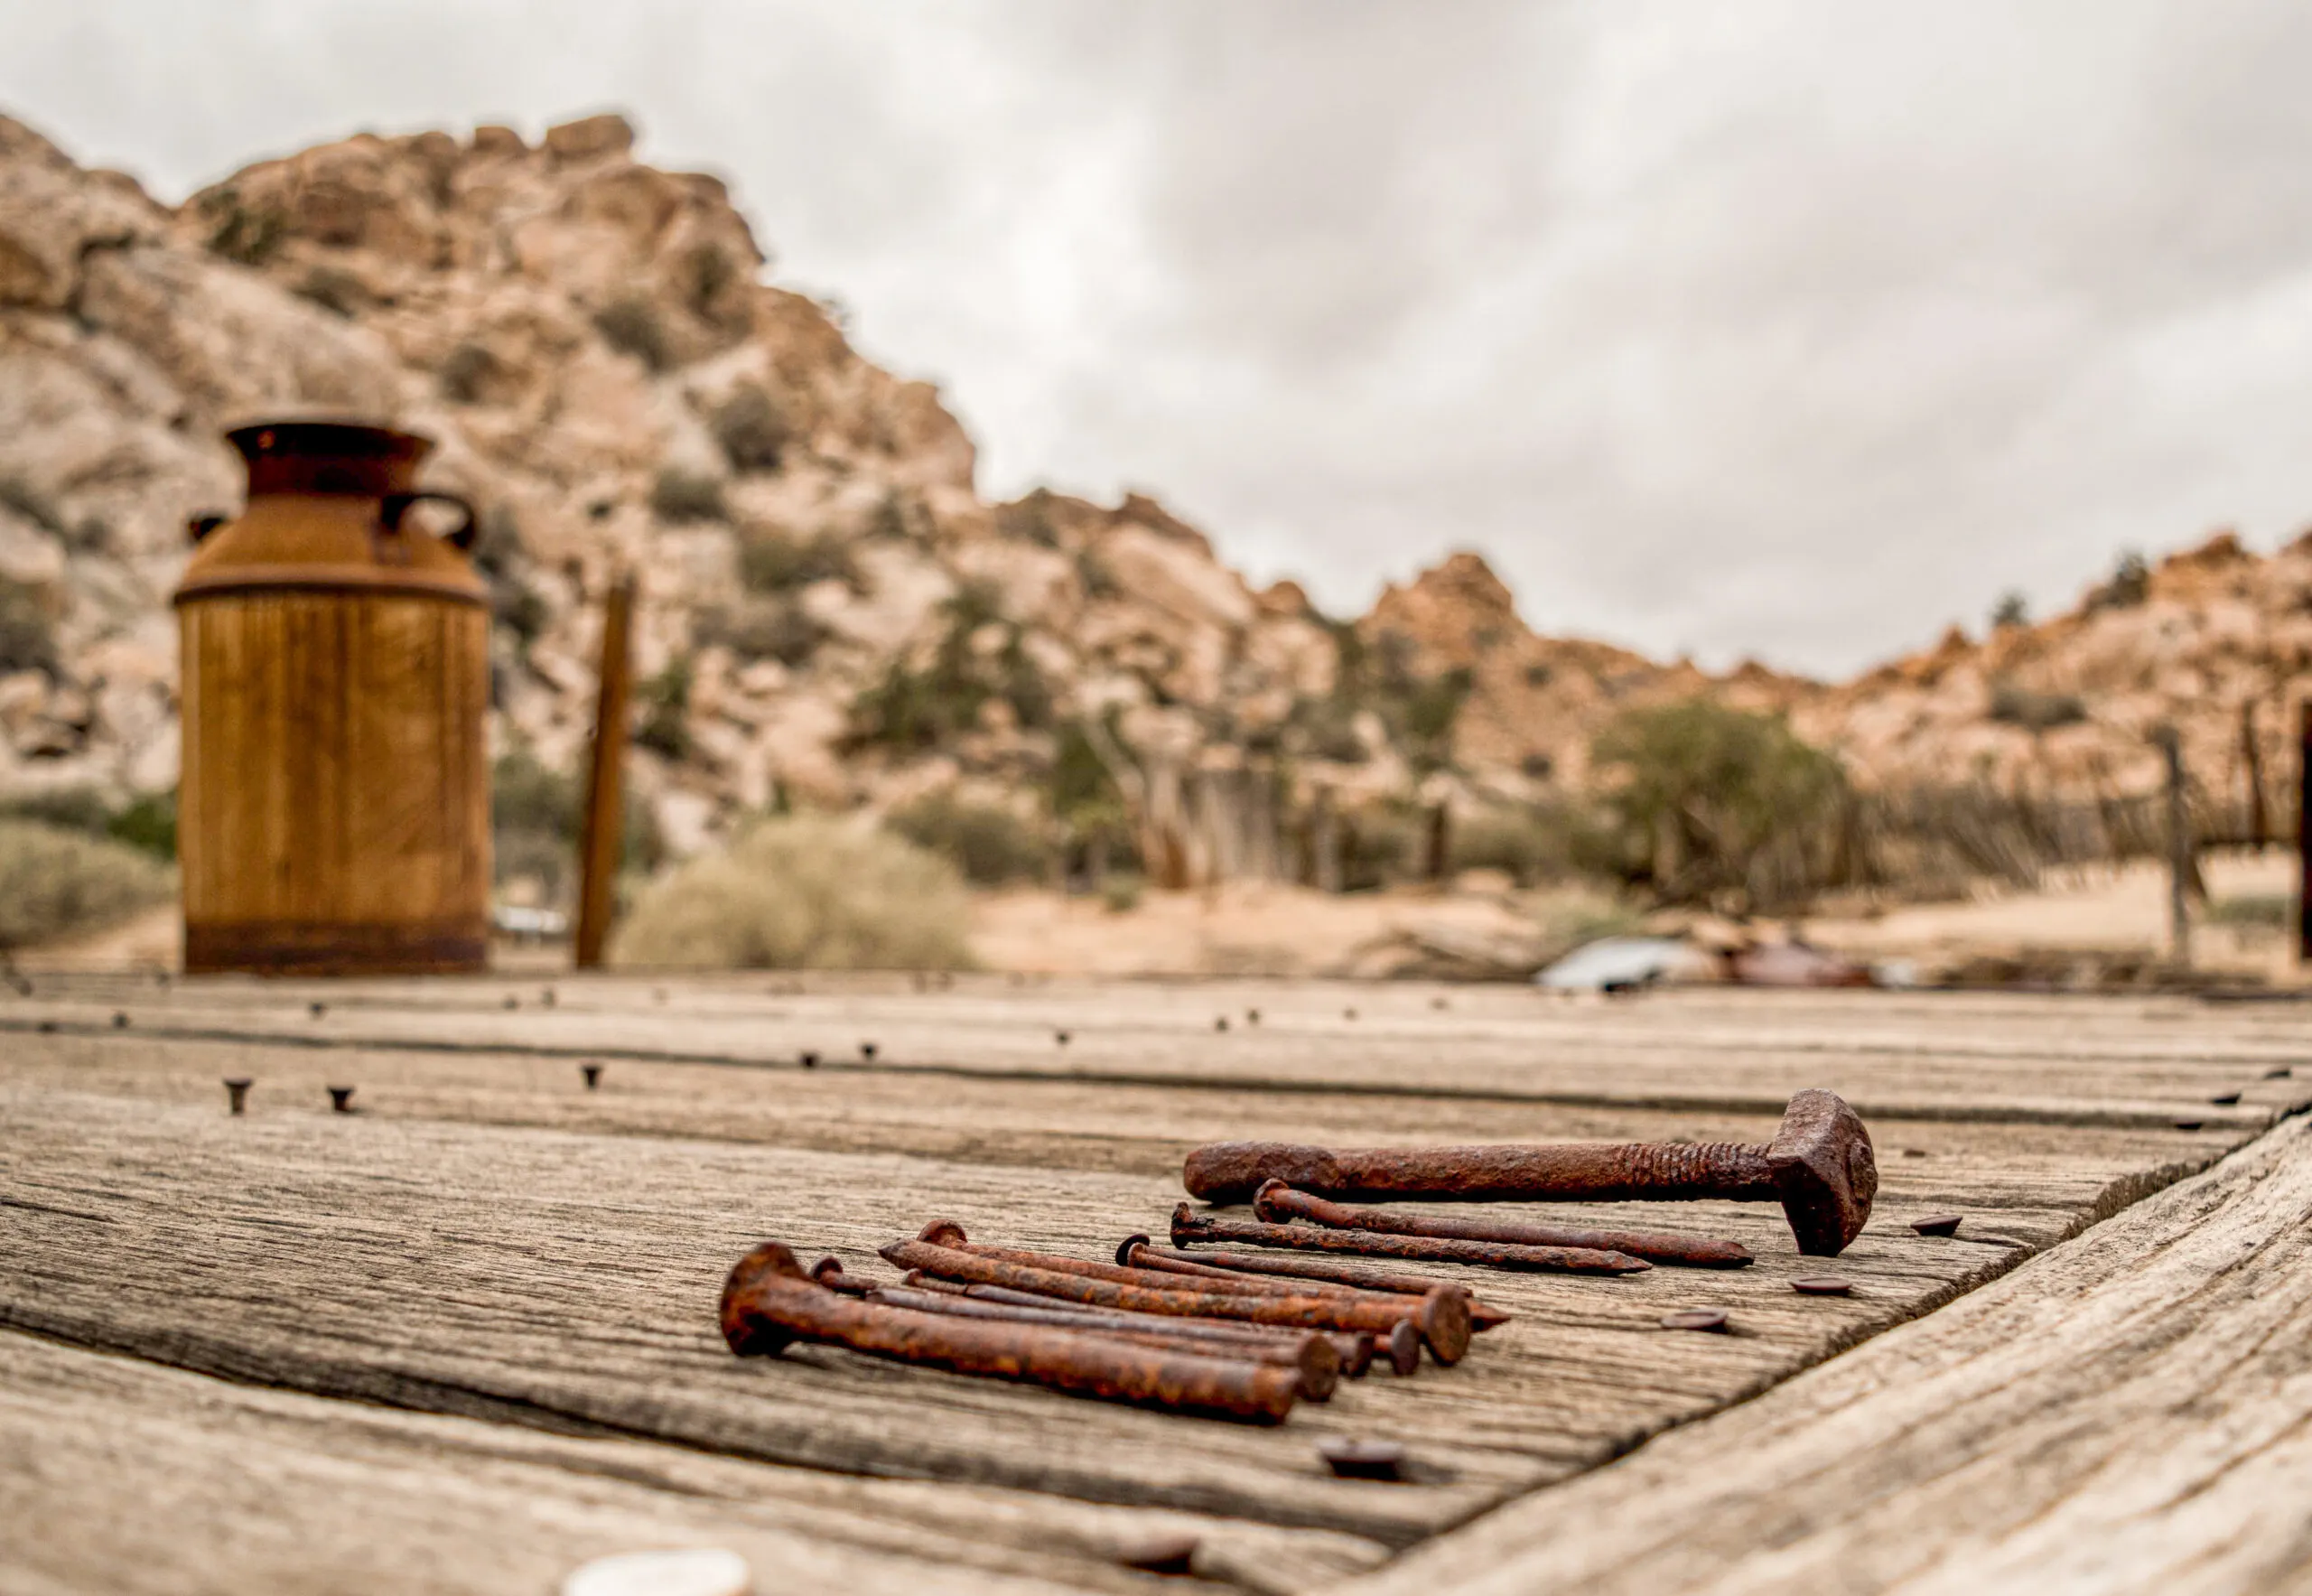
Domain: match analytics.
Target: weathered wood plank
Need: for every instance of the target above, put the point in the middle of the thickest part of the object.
(1611, 1059)
(571, 1279)
(124, 1476)
(2131, 1410)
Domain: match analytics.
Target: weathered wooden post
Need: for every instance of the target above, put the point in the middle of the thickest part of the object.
(2304, 833)
(2251, 757)
(604, 829)
(334, 801)
(2179, 849)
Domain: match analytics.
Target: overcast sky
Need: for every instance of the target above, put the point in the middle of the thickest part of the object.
(1788, 330)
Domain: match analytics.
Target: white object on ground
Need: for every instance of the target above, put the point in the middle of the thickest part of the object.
(1627, 961)
(694, 1571)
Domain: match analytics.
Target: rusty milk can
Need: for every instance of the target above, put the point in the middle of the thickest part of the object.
(333, 811)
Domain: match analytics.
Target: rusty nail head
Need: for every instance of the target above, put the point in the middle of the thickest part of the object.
(1138, 1238)
(317, 1008)
(809, 1060)
(1362, 1459)
(1404, 1344)
(1695, 1319)
(1937, 1224)
(943, 1233)
(1161, 1554)
(120, 1019)
(2225, 1099)
(340, 1099)
(237, 1093)
(593, 1074)
(867, 1051)
(1822, 1286)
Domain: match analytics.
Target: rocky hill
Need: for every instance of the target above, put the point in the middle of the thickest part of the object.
(831, 613)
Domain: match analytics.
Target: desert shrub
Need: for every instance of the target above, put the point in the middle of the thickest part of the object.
(1381, 845)
(2130, 585)
(1544, 842)
(678, 495)
(922, 706)
(146, 822)
(774, 563)
(632, 327)
(338, 292)
(2012, 610)
(1121, 893)
(665, 712)
(2253, 910)
(250, 234)
(55, 882)
(804, 892)
(536, 816)
(1708, 800)
(751, 431)
(762, 628)
(466, 373)
(988, 843)
(2036, 712)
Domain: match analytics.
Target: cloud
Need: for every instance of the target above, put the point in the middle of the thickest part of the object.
(1790, 330)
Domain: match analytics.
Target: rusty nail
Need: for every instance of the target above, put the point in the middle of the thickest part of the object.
(1362, 1459)
(1442, 1318)
(809, 1060)
(1160, 1554)
(1355, 1347)
(828, 1273)
(237, 1095)
(1695, 1319)
(1822, 1286)
(2225, 1099)
(593, 1074)
(340, 1099)
(1314, 1356)
(768, 1304)
(1314, 1274)
(1993, 1238)
(1819, 1166)
(1938, 1225)
(120, 1019)
(317, 1008)
(1279, 1203)
(2189, 1124)
(1188, 1226)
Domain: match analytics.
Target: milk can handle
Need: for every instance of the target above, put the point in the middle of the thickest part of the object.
(395, 506)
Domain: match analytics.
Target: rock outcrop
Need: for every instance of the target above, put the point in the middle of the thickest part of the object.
(832, 612)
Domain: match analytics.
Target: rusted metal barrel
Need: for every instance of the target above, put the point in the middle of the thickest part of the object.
(333, 809)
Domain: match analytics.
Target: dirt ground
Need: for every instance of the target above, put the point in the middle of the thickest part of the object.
(1266, 928)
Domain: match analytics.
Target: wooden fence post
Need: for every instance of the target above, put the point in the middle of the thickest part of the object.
(599, 843)
(2180, 850)
(2303, 835)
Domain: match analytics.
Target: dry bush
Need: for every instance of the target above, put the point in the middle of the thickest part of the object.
(991, 845)
(804, 892)
(57, 883)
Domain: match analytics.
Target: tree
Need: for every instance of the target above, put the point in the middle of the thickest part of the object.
(2013, 610)
(1711, 802)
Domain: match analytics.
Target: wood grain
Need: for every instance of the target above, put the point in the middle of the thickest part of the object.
(2132, 1412)
(120, 1475)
